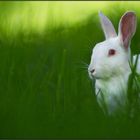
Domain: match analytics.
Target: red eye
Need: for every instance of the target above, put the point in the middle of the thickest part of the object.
(111, 52)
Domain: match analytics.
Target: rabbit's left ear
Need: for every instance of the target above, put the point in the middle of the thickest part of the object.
(127, 28)
(107, 26)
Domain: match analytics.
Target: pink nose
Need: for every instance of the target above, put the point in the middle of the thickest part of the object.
(92, 70)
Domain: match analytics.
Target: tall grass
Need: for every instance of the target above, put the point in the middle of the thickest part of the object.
(45, 91)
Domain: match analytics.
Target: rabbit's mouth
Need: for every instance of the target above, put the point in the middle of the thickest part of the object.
(97, 77)
(94, 77)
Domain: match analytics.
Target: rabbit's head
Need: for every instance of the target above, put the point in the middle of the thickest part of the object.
(110, 57)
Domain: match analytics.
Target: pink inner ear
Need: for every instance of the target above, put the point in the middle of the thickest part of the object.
(127, 28)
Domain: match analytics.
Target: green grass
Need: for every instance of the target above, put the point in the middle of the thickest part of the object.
(45, 91)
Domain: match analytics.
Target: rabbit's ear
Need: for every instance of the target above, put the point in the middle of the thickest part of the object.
(127, 28)
(107, 26)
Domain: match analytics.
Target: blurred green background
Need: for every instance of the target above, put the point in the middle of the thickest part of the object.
(45, 91)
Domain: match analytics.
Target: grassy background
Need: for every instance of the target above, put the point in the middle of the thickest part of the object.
(45, 91)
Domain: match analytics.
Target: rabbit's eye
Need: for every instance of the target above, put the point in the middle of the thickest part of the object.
(111, 52)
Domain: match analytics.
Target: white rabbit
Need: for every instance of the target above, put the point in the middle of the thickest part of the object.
(109, 64)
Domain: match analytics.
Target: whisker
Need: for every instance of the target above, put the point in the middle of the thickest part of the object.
(84, 63)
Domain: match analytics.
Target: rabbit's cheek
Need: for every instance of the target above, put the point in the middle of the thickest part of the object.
(103, 71)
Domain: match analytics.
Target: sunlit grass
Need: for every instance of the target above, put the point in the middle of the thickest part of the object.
(38, 16)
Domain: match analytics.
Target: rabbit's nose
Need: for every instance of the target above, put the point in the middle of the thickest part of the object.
(92, 70)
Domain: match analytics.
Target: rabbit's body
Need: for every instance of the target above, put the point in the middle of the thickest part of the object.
(110, 63)
(111, 94)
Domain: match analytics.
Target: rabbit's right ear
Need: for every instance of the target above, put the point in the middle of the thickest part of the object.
(107, 26)
(127, 28)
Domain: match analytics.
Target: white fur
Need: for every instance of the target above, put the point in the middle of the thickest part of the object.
(111, 72)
